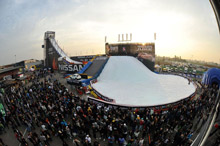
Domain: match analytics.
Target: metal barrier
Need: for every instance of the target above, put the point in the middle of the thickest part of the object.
(205, 131)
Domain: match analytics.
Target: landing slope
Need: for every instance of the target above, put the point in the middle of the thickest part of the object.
(129, 82)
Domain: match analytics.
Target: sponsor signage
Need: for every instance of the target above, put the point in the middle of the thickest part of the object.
(82, 58)
(51, 51)
(113, 49)
(144, 48)
(70, 67)
(102, 97)
(143, 52)
(105, 104)
(156, 108)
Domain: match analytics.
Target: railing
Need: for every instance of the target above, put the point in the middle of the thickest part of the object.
(205, 131)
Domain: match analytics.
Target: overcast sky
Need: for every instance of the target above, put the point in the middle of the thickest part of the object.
(184, 28)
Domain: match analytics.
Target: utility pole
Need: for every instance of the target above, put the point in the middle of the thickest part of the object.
(15, 60)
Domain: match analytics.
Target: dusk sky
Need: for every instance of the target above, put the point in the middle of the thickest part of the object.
(186, 28)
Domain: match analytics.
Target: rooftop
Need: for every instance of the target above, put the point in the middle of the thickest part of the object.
(9, 69)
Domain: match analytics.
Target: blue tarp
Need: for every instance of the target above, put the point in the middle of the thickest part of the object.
(211, 76)
(85, 67)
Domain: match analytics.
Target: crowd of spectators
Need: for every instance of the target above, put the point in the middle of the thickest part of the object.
(45, 104)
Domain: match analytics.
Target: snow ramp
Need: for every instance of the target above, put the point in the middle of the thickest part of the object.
(61, 53)
(126, 80)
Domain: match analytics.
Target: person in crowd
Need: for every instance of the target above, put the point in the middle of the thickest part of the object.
(96, 143)
(88, 140)
(111, 140)
(121, 141)
(76, 142)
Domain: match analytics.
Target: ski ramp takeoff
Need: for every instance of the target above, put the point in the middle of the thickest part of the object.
(95, 66)
(62, 54)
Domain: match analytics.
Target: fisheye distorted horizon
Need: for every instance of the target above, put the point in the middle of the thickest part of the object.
(184, 28)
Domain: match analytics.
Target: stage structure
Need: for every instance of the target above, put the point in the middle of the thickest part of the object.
(144, 52)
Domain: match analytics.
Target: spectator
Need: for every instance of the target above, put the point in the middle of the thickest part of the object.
(47, 104)
(88, 140)
(111, 140)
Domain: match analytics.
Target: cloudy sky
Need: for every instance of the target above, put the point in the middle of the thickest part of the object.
(184, 27)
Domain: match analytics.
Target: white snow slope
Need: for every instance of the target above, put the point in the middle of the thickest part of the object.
(130, 82)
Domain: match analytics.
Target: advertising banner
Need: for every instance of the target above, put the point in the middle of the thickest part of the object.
(101, 96)
(143, 52)
(70, 67)
(51, 56)
(83, 59)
